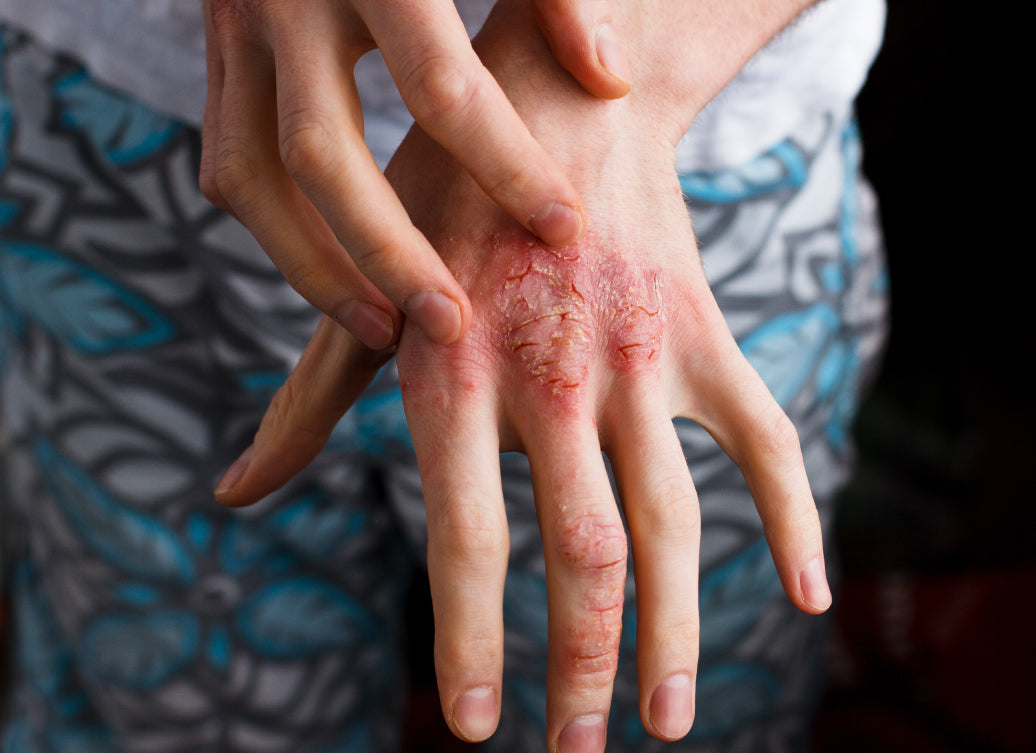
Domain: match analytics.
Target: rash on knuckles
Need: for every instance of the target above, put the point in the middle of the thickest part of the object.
(594, 550)
(560, 311)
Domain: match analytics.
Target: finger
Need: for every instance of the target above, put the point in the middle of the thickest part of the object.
(584, 40)
(585, 554)
(664, 520)
(735, 406)
(459, 104)
(458, 457)
(321, 145)
(214, 73)
(332, 372)
(250, 177)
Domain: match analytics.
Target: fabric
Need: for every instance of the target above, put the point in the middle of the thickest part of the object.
(143, 333)
(154, 50)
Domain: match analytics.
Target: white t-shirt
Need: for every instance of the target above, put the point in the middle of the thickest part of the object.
(154, 49)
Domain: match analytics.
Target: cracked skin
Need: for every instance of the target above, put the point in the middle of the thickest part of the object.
(559, 309)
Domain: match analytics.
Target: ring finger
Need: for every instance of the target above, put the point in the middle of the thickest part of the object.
(664, 520)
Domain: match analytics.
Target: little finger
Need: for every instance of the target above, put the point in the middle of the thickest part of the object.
(736, 407)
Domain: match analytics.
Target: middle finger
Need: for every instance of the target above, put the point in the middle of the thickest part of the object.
(585, 555)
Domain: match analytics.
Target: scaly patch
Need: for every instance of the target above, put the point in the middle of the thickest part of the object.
(560, 309)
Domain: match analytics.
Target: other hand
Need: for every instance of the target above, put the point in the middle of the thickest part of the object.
(283, 146)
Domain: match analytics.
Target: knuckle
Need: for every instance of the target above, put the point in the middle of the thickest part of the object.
(307, 279)
(687, 629)
(593, 544)
(386, 255)
(590, 649)
(673, 513)
(470, 534)
(546, 322)
(432, 390)
(285, 405)
(803, 525)
(776, 436)
(225, 14)
(287, 419)
(207, 178)
(595, 664)
(207, 184)
(516, 178)
(306, 138)
(549, 11)
(238, 20)
(236, 171)
(439, 88)
(594, 548)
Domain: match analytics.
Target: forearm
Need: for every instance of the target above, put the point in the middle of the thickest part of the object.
(680, 53)
(683, 53)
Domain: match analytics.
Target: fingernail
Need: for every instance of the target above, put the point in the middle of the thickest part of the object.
(436, 314)
(370, 324)
(610, 54)
(584, 734)
(672, 707)
(235, 472)
(815, 590)
(557, 224)
(475, 714)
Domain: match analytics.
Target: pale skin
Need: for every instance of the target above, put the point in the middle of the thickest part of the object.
(571, 350)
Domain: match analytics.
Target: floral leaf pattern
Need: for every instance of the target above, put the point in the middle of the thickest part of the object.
(732, 595)
(127, 350)
(782, 167)
(785, 350)
(139, 651)
(85, 310)
(301, 617)
(123, 130)
(732, 695)
(130, 541)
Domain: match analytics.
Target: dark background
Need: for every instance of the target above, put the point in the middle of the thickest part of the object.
(935, 626)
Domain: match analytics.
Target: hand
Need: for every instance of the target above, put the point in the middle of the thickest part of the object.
(283, 146)
(571, 350)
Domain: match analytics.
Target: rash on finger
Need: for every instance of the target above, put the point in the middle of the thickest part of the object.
(594, 552)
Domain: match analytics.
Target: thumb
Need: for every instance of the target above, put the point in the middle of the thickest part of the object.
(585, 42)
(332, 372)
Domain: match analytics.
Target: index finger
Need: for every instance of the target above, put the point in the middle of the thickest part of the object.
(459, 104)
(322, 151)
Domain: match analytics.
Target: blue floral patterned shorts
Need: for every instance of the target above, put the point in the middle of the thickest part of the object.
(142, 333)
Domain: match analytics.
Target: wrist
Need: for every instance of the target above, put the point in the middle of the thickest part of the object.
(680, 54)
(578, 129)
